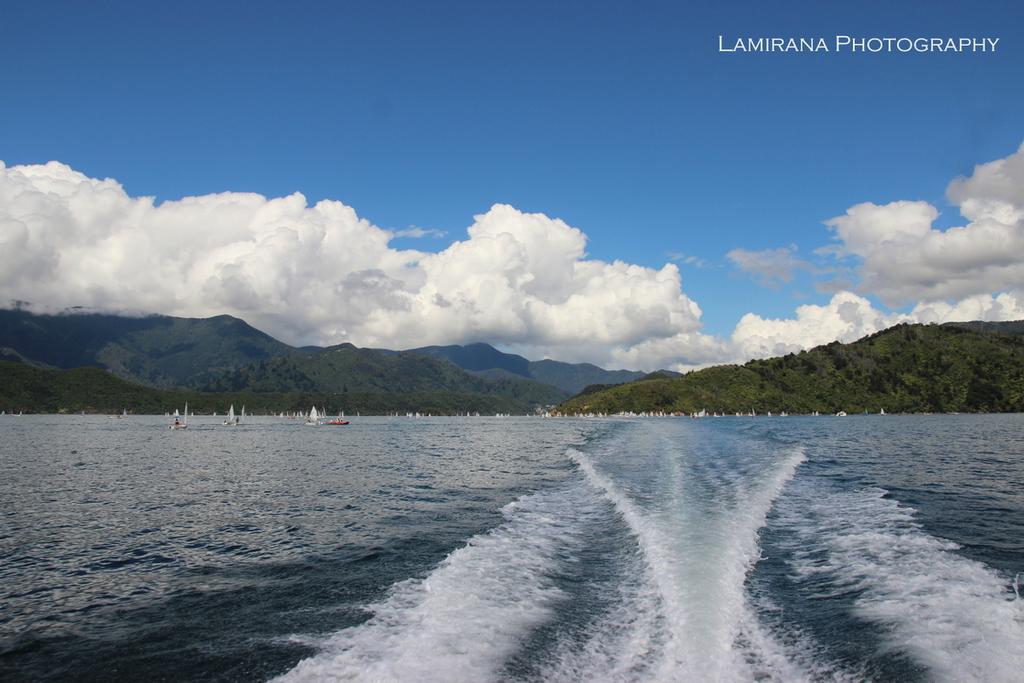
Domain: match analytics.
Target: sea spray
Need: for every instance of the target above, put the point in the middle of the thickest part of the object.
(464, 619)
(945, 611)
(697, 575)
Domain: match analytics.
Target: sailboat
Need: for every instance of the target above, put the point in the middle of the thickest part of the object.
(231, 420)
(178, 422)
(241, 417)
(313, 420)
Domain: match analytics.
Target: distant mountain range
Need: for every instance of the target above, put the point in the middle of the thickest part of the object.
(31, 389)
(225, 354)
(157, 351)
(103, 363)
(957, 367)
(487, 361)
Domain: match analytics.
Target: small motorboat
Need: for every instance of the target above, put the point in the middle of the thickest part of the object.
(336, 422)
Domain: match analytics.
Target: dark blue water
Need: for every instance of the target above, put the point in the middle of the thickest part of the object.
(512, 549)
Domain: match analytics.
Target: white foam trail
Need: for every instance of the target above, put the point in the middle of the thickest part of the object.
(468, 616)
(697, 561)
(622, 645)
(951, 614)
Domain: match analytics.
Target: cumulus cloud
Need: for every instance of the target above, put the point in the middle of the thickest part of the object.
(904, 258)
(848, 317)
(321, 274)
(1001, 307)
(969, 272)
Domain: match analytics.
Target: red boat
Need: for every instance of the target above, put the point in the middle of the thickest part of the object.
(336, 422)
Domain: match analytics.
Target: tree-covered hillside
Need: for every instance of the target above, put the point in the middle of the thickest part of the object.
(487, 361)
(93, 390)
(159, 351)
(347, 369)
(907, 368)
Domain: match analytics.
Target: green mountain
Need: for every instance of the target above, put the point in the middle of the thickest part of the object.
(223, 352)
(159, 351)
(1015, 327)
(907, 368)
(478, 357)
(573, 377)
(347, 369)
(487, 361)
(46, 390)
(226, 354)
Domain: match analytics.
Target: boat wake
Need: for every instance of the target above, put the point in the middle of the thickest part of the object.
(644, 566)
(689, 617)
(956, 617)
(464, 619)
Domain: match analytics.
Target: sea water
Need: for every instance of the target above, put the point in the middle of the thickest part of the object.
(526, 549)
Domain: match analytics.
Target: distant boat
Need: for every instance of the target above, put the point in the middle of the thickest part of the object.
(180, 423)
(337, 421)
(313, 419)
(841, 413)
(882, 411)
(231, 420)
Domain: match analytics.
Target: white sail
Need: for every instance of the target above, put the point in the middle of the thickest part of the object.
(314, 417)
(231, 415)
(243, 414)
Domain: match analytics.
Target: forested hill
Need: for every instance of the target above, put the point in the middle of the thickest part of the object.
(156, 350)
(207, 353)
(487, 361)
(347, 369)
(907, 368)
(30, 389)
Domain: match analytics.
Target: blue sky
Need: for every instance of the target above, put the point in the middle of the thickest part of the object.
(622, 119)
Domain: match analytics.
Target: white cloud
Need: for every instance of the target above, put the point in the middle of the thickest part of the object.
(416, 232)
(686, 259)
(320, 274)
(771, 267)
(848, 317)
(995, 190)
(904, 258)
(970, 272)
(1002, 307)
